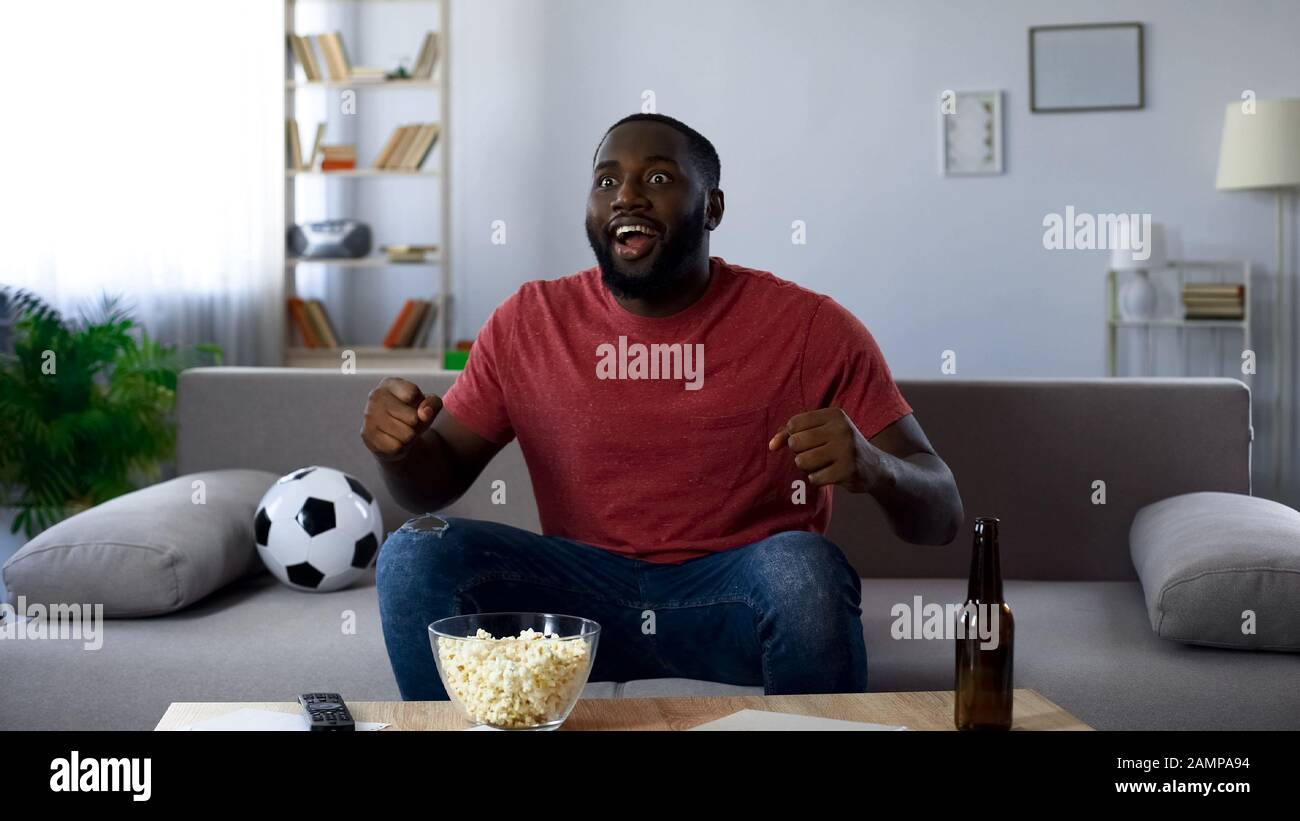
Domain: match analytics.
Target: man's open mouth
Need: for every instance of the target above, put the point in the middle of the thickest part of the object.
(634, 240)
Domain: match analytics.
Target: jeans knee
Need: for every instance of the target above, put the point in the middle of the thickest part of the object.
(804, 572)
(417, 555)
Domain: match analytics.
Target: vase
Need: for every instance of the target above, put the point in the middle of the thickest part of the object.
(1137, 299)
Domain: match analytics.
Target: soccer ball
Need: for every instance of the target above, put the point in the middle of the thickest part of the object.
(318, 529)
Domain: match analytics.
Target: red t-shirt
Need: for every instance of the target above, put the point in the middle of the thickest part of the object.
(673, 464)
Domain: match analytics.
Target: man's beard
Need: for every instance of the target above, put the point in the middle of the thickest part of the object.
(668, 269)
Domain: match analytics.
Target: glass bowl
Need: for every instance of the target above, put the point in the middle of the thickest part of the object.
(511, 682)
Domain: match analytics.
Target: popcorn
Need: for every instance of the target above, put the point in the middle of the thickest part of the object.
(513, 682)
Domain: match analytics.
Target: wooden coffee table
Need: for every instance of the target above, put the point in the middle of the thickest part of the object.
(916, 711)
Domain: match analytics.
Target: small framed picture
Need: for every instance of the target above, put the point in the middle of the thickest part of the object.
(970, 124)
(1087, 67)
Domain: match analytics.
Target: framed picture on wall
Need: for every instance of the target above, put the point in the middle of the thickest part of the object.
(970, 125)
(1086, 67)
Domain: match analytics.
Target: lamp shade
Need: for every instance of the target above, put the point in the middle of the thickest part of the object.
(1260, 149)
(1123, 257)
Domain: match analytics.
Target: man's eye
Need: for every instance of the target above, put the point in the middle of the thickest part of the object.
(660, 177)
(601, 183)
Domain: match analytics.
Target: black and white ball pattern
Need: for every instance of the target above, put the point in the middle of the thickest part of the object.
(318, 529)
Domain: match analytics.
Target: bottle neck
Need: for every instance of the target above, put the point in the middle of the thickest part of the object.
(985, 565)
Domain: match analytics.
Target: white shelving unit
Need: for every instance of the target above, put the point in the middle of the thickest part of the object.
(1194, 271)
(432, 276)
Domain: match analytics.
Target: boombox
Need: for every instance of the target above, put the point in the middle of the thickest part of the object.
(330, 238)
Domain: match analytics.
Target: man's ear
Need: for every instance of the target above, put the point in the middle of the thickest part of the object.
(713, 214)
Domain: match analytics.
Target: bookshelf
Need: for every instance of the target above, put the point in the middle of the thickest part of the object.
(293, 85)
(1178, 274)
(358, 293)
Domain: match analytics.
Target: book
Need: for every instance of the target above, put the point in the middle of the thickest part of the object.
(332, 44)
(293, 145)
(387, 151)
(404, 136)
(413, 319)
(321, 323)
(409, 248)
(1214, 289)
(336, 56)
(390, 338)
(408, 147)
(1212, 301)
(402, 162)
(327, 57)
(1214, 313)
(306, 57)
(314, 321)
(1233, 287)
(408, 253)
(343, 54)
(338, 157)
(367, 74)
(428, 58)
(421, 145)
(298, 312)
(399, 162)
(426, 323)
(317, 144)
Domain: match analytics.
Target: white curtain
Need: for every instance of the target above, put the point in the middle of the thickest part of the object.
(141, 149)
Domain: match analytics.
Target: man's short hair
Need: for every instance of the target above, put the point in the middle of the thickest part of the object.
(702, 153)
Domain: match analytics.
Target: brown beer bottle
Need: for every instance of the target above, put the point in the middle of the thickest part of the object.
(983, 691)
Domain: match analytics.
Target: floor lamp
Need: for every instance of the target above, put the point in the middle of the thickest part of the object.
(1261, 149)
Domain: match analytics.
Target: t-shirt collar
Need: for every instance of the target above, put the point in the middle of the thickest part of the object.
(622, 316)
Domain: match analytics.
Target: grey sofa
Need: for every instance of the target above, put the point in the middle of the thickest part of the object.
(1027, 451)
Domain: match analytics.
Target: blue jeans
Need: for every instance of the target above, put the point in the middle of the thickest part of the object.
(782, 612)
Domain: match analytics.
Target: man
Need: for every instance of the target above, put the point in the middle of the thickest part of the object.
(684, 421)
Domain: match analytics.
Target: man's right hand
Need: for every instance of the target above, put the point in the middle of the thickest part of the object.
(397, 412)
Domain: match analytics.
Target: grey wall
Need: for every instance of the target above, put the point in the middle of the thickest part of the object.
(827, 112)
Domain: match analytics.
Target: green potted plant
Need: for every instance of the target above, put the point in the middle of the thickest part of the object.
(85, 408)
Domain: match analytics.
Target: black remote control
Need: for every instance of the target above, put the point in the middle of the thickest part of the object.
(326, 711)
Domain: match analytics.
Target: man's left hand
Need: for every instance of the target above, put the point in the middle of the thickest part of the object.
(829, 447)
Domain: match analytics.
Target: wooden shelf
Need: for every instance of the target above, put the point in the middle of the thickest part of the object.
(1179, 274)
(362, 262)
(293, 85)
(361, 172)
(328, 2)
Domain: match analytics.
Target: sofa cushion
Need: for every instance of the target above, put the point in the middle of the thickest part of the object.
(151, 551)
(1220, 569)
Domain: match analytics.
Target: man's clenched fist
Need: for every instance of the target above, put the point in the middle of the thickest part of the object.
(397, 412)
(829, 447)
